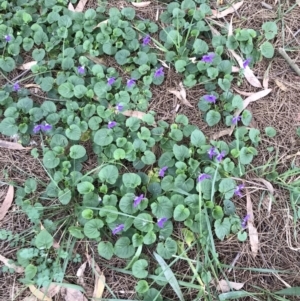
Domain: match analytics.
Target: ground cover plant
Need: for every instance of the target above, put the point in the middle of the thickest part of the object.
(154, 178)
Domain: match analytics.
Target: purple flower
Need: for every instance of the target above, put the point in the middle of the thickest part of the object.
(212, 152)
(110, 81)
(159, 72)
(130, 83)
(246, 63)
(37, 128)
(81, 69)
(118, 229)
(111, 124)
(146, 40)
(162, 171)
(245, 220)
(16, 87)
(208, 58)
(137, 200)
(119, 107)
(44, 127)
(7, 38)
(210, 98)
(220, 156)
(238, 189)
(161, 222)
(203, 177)
(236, 119)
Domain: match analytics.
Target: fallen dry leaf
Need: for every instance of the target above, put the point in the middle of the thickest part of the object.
(181, 95)
(96, 60)
(222, 133)
(225, 286)
(71, 294)
(235, 69)
(253, 235)
(7, 202)
(266, 78)
(298, 2)
(141, 4)
(243, 92)
(52, 290)
(32, 86)
(11, 265)
(40, 295)
(270, 189)
(164, 63)
(27, 66)
(80, 6)
(136, 114)
(30, 298)
(12, 145)
(80, 273)
(102, 22)
(99, 278)
(229, 10)
(280, 85)
(248, 73)
(71, 7)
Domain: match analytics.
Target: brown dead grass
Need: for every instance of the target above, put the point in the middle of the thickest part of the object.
(278, 247)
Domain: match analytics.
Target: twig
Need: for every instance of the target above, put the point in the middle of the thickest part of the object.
(289, 61)
(20, 75)
(264, 4)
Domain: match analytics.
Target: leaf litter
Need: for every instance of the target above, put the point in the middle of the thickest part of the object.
(7, 202)
(225, 286)
(6, 262)
(181, 95)
(232, 9)
(12, 145)
(141, 4)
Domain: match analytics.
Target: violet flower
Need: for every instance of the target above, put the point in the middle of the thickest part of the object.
(111, 124)
(245, 220)
(238, 189)
(162, 171)
(130, 83)
(210, 98)
(119, 107)
(7, 38)
(161, 222)
(16, 87)
(42, 127)
(236, 119)
(246, 63)
(159, 72)
(146, 40)
(220, 156)
(203, 177)
(118, 229)
(81, 69)
(212, 152)
(137, 200)
(111, 80)
(208, 58)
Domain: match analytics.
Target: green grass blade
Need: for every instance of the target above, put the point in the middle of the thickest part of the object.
(169, 276)
(291, 291)
(234, 295)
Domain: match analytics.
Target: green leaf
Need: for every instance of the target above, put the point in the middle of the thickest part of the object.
(87, 214)
(163, 207)
(217, 212)
(7, 64)
(123, 248)
(237, 102)
(44, 240)
(229, 207)
(131, 180)
(142, 287)
(180, 65)
(167, 249)
(181, 213)
(65, 196)
(212, 117)
(270, 131)
(139, 268)
(122, 56)
(109, 174)
(126, 203)
(200, 46)
(91, 228)
(137, 240)
(149, 158)
(30, 271)
(246, 117)
(8, 126)
(106, 249)
(47, 84)
(38, 54)
(149, 238)
(85, 187)
(197, 138)
(267, 50)
(234, 295)
(169, 275)
(50, 160)
(103, 137)
(270, 30)
(222, 228)
(143, 222)
(290, 291)
(245, 156)
(77, 151)
(227, 187)
(176, 134)
(76, 232)
(66, 90)
(128, 13)
(181, 152)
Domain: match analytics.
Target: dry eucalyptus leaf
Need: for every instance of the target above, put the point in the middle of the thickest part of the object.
(141, 4)
(221, 134)
(71, 7)
(225, 286)
(7, 201)
(11, 265)
(270, 189)
(136, 114)
(227, 11)
(164, 64)
(27, 66)
(243, 92)
(40, 295)
(280, 84)
(31, 86)
(80, 6)
(253, 235)
(52, 290)
(181, 95)
(235, 69)
(71, 294)
(12, 145)
(102, 22)
(30, 298)
(80, 273)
